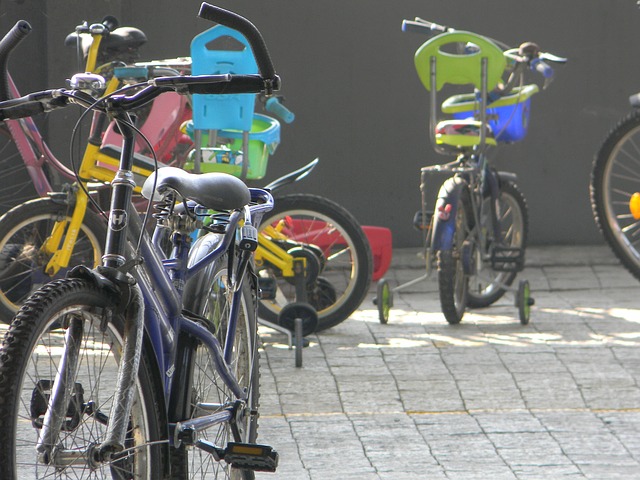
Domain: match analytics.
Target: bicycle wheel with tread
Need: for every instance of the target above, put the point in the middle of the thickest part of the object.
(208, 296)
(29, 360)
(487, 286)
(23, 230)
(453, 282)
(346, 264)
(614, 180)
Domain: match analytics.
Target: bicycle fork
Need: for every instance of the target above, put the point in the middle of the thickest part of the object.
(61, 392)
(123, 185)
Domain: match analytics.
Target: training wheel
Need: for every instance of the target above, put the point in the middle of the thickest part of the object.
(303, 311)
(302, 320)
(524, 301)
(383, 300)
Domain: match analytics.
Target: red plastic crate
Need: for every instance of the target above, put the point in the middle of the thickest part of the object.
(317, 233)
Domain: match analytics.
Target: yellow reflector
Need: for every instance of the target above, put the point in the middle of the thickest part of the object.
(246, 450)
(634, 205)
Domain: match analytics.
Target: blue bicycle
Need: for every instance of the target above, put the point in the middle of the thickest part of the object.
(477, 233)
(146, 366)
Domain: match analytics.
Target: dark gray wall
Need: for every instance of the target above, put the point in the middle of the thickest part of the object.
(348, 73)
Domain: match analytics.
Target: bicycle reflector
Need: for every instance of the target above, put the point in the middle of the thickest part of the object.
(634, 205)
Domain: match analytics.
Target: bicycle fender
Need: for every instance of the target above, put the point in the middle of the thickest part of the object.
(504, 177)
(292, 177)
(444, 222)
(203, 246)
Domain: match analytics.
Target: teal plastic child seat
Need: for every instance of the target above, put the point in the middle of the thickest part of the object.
(233, 111)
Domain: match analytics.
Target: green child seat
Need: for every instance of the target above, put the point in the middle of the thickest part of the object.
(481, 64)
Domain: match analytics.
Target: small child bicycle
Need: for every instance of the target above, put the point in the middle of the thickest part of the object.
(476, 236)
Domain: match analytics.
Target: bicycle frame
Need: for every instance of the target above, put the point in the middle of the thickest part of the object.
(160, 285)
(477, 179)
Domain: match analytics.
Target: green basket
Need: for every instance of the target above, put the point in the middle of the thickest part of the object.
(264, 138)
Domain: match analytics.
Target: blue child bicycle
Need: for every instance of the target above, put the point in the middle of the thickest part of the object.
(476, 235)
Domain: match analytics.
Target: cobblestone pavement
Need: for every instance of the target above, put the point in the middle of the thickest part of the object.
(487, 399)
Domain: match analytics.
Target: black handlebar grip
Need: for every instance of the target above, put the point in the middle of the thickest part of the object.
(236, 84)
(21, 111)
(13, 37)
(245, 27)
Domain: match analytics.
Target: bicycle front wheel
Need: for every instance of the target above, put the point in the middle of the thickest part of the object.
(453, 282)
(23, 231)
(209, 296)
(68, 319)
(337, 254)
(615, 178)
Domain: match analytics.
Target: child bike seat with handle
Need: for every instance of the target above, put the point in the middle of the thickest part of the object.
(214, 112)
(481, 63)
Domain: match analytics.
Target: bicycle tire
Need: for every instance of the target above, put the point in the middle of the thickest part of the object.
(206, 295)
(23, 230)
(28, 361)
(490, 285)
(614, 179)
(453, 282)
(342, 281)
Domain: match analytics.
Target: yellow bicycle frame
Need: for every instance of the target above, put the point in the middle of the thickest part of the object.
(89, 168)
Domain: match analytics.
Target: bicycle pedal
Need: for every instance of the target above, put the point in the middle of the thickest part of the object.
(250, 456)
(422, 220)
(267, 288)
(507, 259)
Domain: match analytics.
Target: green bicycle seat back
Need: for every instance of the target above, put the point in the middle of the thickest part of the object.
(463, 68)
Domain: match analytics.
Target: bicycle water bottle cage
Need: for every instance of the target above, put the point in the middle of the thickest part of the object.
(438, 63)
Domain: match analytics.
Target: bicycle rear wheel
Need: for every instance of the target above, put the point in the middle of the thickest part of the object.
(209, 296)
(338, 255)
(615, 178)
(488, 285)
(74, 313)
(23, 230)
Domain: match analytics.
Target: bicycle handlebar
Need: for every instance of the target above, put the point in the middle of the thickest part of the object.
(528, 52)
(39, 102)
(424, 27)
(10, 41)
(266, 82)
